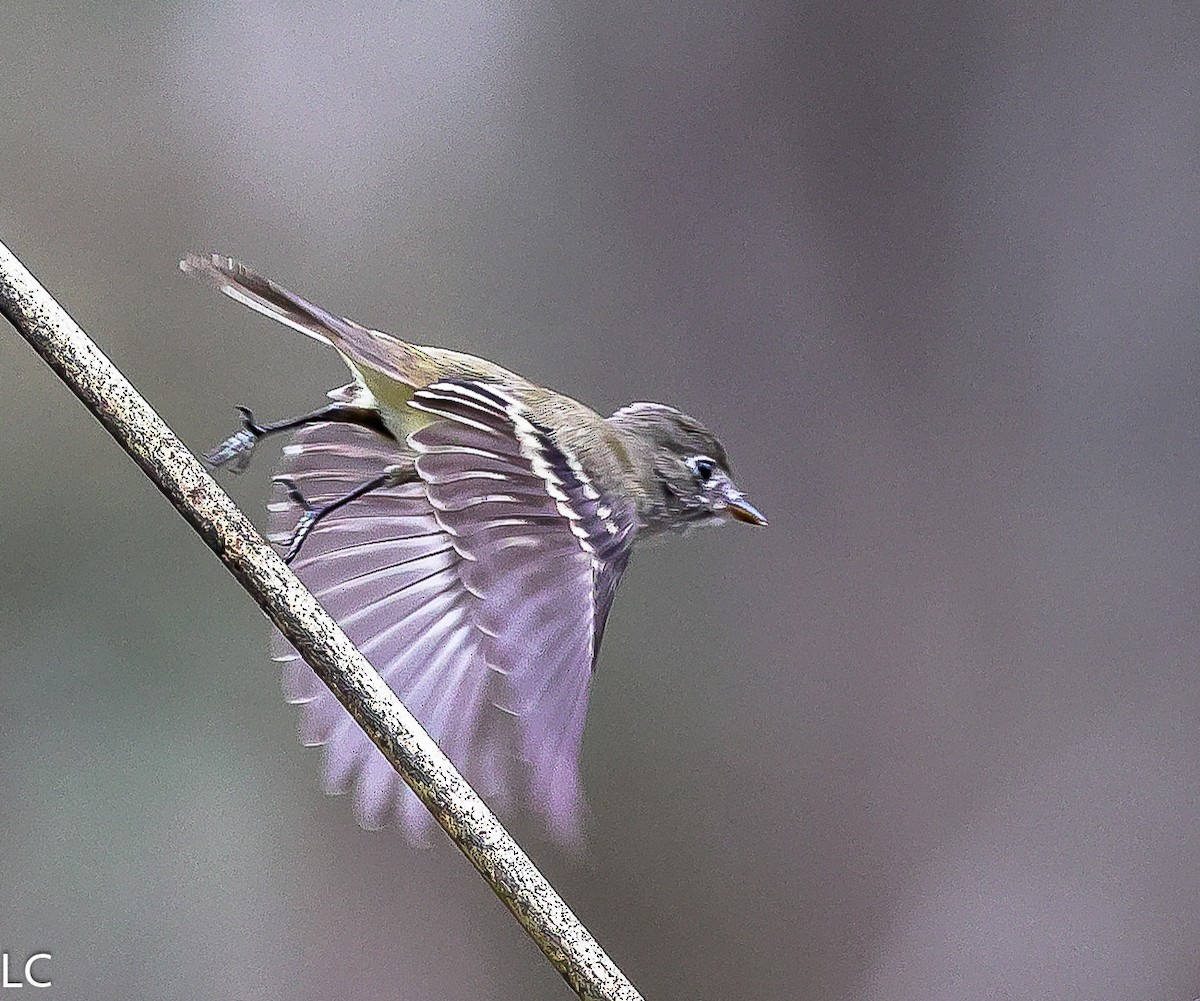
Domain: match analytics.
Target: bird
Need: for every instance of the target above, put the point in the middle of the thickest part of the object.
(468, 530)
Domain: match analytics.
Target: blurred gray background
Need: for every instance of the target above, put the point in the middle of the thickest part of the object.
(929, 270)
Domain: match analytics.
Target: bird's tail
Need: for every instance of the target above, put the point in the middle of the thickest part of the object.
(245, 286)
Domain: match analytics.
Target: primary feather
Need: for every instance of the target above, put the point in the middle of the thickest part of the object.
(479, 592)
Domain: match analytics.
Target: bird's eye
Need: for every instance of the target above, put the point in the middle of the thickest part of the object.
(703, 467)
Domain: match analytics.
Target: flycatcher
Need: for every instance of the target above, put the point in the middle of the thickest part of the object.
(467, 529)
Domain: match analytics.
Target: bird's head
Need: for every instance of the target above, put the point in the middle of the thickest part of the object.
(686, 477)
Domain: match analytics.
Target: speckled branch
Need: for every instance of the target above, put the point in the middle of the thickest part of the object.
(413, 753)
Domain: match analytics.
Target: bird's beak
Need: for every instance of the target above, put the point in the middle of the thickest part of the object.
(736, 506)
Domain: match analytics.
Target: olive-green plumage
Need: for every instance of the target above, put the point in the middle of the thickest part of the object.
(468, 529)
(646, 451)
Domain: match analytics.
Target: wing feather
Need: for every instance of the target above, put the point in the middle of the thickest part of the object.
(386, 570)
(535, 550)
(479, 592)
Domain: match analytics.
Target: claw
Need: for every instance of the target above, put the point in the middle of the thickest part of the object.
(295, 495)
(235, 450)
(313, 513)
(308, 520)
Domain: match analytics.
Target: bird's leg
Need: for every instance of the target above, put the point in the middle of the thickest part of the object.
(237, 447)
(314, 513)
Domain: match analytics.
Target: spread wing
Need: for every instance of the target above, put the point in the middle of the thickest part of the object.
(479, 592)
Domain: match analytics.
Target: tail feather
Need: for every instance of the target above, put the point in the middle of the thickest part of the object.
(384, 364)
(261, 294)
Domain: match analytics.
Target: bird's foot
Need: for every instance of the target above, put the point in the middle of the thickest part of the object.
(312, 514)
(235, 450)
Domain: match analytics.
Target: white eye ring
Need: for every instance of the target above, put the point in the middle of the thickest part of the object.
(702, 467)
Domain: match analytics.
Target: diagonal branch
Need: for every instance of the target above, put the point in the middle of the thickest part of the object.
(175, 471)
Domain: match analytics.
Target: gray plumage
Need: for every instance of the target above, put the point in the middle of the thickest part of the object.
(480, 586)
